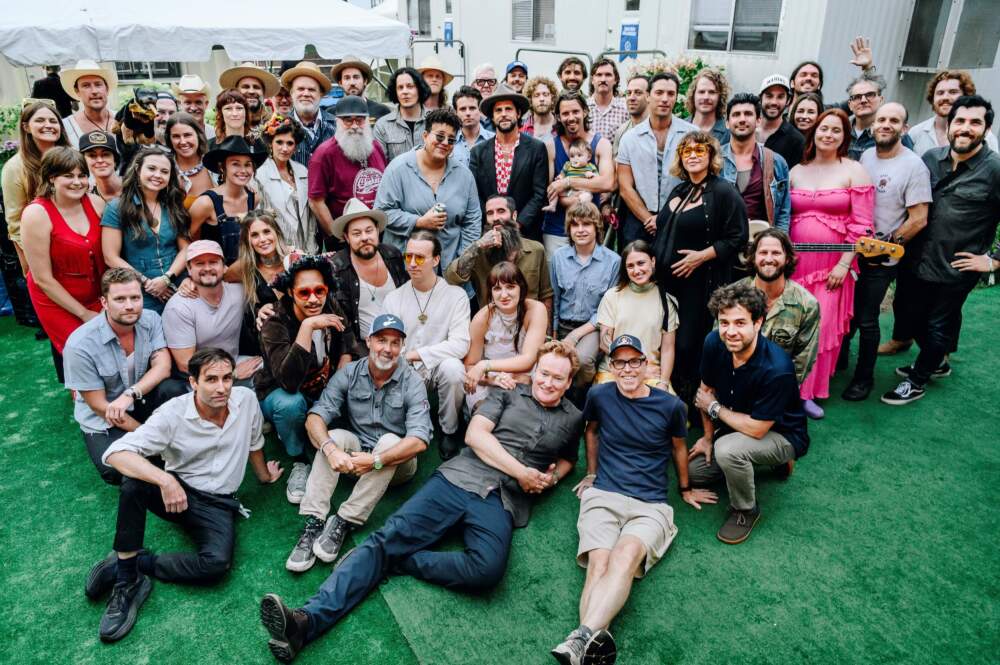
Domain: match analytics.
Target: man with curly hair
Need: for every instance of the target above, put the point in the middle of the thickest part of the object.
(706, 103)
(539, 121)
(942, 91)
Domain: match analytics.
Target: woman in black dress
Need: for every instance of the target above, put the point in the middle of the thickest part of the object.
(699, 233)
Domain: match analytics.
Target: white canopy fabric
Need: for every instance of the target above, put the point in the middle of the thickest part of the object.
(64, 31)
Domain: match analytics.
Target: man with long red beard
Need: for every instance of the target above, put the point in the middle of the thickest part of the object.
(347, 166)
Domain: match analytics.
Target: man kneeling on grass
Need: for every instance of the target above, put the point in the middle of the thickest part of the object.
(520, 442)
(625, 523)
(750, 406)
(205, 438)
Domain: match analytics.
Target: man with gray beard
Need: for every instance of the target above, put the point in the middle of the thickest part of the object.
(502, 241)
(347, 166)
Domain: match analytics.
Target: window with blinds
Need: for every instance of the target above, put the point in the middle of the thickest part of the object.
(735, 25)
(533, 20)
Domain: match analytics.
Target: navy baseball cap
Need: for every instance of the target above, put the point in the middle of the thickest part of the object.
(626, 341)
(517, 63)
(387, 322)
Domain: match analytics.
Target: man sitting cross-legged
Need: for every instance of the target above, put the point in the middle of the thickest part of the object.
(389, 419)
(625, 522)
(205, 438)
(521, 442)
(750, 406)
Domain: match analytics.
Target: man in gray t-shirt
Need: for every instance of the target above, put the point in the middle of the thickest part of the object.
(212, 318)
(902, 197)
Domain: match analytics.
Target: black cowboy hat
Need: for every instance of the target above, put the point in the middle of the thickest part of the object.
(504, 93)
(232, 145)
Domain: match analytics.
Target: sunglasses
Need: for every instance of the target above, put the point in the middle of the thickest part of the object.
(441, 138)
(486, 83)
(696, 150)
(419, 259)
(351, 120)
(305, 293)
(47, 103)
(634, 363)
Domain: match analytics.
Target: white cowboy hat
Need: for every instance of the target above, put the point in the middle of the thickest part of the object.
(190, 84)
(434, 62)
(306, 68)
(82, 68)
(230, 77)
(354, 209)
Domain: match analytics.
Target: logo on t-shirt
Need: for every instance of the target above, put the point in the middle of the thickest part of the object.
(366, 183)
(883, 184)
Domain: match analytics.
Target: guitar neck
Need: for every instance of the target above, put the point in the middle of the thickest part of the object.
(822, 247)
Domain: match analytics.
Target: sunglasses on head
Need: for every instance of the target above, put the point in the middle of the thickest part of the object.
(305, 292)
(47, 103)
(416, 258)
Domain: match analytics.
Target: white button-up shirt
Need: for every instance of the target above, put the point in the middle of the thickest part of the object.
(201, 454)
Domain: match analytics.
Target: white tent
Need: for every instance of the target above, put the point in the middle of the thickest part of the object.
(64, 31)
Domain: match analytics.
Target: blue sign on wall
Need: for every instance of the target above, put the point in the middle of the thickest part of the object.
(629, 40)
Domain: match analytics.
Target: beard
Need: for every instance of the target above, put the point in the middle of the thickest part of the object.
(967, 148)
(305, 108)
(364, 251)
(510, 243)
(542, 108)
(887, 143)
(382, 365)
(769, 276)
(356, 144)
(253, 104)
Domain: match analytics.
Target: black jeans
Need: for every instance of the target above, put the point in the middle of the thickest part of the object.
(97, 443)
(210, 520)
(941, 321)
(870, 290)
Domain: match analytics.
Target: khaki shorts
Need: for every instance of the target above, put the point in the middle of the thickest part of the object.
(607, 516)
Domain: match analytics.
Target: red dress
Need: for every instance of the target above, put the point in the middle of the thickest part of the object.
(77, 264)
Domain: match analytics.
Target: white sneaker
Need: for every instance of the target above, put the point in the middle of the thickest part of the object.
(296, 488)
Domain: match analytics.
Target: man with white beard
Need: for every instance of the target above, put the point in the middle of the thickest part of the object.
(347, 166)
(307, 84)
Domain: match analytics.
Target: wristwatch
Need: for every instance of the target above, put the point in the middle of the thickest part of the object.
(713, 410)
(132, 393)
(377, 464)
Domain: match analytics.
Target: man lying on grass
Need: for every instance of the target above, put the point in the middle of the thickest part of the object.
(520, 442)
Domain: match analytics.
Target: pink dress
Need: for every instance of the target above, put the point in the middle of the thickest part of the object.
(828, 216)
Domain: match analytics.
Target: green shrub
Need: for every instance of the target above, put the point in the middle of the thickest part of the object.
(685, 68)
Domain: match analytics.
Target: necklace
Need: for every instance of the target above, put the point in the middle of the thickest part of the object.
(96, 126)
(375, 285)
(423, 317)
(187, 173)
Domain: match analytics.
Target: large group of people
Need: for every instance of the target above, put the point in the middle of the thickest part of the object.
(327, 272)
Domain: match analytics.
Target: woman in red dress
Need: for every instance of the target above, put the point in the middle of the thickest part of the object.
(61, 233)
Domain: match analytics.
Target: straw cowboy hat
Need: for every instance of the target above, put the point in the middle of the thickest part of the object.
(69, 77)
(434, 62)
(504, 93)
(306, 68)
(190, 84)
(231, 77)
(351, 62)
(355, 209)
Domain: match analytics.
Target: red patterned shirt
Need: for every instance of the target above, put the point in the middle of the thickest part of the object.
(504, 162)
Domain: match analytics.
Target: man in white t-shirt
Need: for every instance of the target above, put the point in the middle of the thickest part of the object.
(436, 317)
(902, 198)
(213, 318)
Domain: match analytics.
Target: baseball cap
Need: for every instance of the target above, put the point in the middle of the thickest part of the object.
(517, 63)
(99, 139)
(387, 322)
(626, 341)
(199, 247)
(775, 79)
(351, 105)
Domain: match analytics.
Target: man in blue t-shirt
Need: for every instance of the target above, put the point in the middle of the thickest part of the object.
(625, 524)
(750, 406)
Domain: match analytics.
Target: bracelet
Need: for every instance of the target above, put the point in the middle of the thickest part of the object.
(322, 447)
(488, 368)
(683, 488)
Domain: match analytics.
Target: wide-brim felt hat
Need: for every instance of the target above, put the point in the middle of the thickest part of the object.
(232, 145)
(69, 77)
(504, 93)
(232, 76)
(432, 62)
(351, 62)
(306, 68)
(355, 209)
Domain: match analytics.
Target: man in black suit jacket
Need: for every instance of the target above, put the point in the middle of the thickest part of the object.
(523, 177)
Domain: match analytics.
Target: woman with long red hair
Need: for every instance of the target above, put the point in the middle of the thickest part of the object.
(832, 202)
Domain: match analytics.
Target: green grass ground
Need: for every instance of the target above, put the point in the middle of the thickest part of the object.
(880, 549)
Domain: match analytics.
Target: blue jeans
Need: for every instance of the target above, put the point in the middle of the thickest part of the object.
(288, 413)
(400, 546)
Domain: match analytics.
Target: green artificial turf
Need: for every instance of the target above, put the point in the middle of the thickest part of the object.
(879, 549)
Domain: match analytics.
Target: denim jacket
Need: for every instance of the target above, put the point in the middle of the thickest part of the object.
(776, 196)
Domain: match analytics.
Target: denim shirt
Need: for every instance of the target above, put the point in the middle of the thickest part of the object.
(94, 360)
(462, 152)
(638, 150)
(781, 200)
(396, 137)
(577, 288)
(399, 407)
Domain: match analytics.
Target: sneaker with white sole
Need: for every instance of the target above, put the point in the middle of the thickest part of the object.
(302, 558)
(327, 546)
(904, 393)
(570, 652)
(296, 488)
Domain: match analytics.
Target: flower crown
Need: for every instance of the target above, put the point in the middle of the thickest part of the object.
(277, 122)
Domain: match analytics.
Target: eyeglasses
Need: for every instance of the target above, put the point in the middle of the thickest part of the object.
(419, 259)
(441, 138)
(695, 150)
(634, 363)
(486, 83)
(305, 293)
(867, 96)
(353, 119)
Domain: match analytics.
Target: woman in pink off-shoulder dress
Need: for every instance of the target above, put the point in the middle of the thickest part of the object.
(832, 202)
